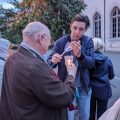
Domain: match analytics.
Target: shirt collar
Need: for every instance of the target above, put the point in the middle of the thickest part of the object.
(32, 49)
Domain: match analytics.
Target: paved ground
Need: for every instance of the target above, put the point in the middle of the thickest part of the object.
(115, 57)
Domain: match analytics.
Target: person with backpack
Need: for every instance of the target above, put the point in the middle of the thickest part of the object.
(100, 75)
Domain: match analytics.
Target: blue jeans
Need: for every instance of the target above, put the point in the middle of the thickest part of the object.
(98, 106)
(71, 113)
(83, 104)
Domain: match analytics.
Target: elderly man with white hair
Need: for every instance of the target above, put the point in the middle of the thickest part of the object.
(31, 91)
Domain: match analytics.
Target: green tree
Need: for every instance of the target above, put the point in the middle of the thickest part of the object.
(6, 16)
(56, 14)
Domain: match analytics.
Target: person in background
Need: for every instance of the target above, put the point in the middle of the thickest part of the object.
(5, 51)
(100, 75)
(30, 89)
(83, 57)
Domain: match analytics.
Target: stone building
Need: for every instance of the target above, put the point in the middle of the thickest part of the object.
(104, 17)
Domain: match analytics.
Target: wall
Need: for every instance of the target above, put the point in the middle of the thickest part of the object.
(111, 44)
(98, 6)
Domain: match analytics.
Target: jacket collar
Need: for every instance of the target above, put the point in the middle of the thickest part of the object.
(28, 52)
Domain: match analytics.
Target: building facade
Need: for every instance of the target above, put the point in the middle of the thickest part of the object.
(104, 18)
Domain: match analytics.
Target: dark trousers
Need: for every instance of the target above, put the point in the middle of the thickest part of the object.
(97, 106)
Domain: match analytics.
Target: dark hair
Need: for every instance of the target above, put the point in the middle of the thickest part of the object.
(81, 18)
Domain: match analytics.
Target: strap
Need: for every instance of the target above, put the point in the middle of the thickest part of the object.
(55, 74)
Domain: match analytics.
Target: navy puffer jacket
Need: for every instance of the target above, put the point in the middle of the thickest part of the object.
(100, 76)
(86, 61)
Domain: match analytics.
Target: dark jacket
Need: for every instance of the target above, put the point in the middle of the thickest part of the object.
(100, 75)
(31, 91)
(86, 61)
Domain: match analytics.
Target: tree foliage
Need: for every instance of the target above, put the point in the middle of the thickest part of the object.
(56, 14)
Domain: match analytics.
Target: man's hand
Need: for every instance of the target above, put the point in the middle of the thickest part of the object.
(56, 58)
(71, 69)
(76, 48)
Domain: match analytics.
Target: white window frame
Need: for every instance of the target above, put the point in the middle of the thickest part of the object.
(117, 17)
(98, 22)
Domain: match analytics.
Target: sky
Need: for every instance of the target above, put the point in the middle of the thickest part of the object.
(5, 4)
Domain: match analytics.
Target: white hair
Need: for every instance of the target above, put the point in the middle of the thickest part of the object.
(98, 44)
(33, 29)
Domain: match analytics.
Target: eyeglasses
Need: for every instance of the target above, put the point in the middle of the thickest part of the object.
(47, 36)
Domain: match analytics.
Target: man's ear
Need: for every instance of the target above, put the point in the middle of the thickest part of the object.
(40, 38)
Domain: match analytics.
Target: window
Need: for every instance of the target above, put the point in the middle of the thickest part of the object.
(115, 23)
(97, 25)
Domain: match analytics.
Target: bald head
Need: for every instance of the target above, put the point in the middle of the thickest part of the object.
(33, 29)
(37, 35)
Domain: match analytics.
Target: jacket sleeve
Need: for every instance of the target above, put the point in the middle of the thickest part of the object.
(87, 60)
(49, 89)
(55, 50)
(111, 70)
